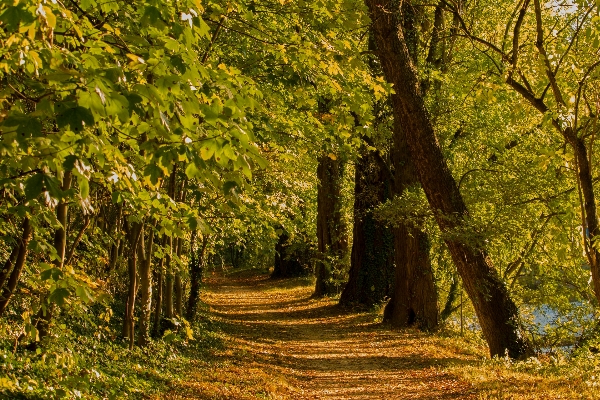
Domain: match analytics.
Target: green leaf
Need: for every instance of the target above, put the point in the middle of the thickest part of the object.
(52, 272)
(192, 171)
(84, 187)
(154, 172)
(75, 118)
(208, 149)
(92, 102)
(34, 186)
(58, 296)
(83, 292)
(169, 336)
(25, 125)
(13, 16)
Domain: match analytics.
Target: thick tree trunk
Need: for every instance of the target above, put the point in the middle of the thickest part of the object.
(414, 300)
(372, 259)
(497, 313)
(331, 237)
(145, 253)
(13, 273)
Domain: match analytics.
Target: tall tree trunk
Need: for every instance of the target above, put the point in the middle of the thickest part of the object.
(497, 313)
(179, 290)
(178, 284)
(146, 287)
(372, 264)
(114, 248)
(60, 244)
(196, 268)
(159, 292)
(414, 300)
(134, 236)
(168, 297)
(13, 273)
(331, 238)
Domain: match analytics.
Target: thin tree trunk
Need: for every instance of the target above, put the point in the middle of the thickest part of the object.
(146, 288)
(114, 249)
(168, 297)
(159, 292)
(71, 252)
(60, 244)
(178, 286)
(134, 236)
(21, 255)
(196, 268)
(497, 313)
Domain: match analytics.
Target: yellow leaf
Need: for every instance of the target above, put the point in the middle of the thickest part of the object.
(135, 58)
(332, 156)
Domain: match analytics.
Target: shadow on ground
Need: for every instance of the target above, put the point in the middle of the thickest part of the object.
(313, 349)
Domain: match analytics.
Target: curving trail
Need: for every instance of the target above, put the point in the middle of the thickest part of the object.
(301, 348)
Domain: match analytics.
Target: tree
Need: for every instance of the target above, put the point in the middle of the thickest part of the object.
(371, 261)
(496, 311)
(331, 237)
(563, 79)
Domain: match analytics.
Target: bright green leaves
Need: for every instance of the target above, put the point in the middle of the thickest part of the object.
(209, 148)
(75, 118)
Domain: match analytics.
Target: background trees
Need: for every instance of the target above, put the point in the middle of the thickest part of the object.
(144, 142)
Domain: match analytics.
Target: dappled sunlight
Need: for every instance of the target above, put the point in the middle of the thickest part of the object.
(323, 351)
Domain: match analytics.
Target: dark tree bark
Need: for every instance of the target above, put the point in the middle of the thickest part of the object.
(159, 292)
(452, 296)
(497, 313)
(331, 237)
(178, 286)
(13, 273)
(414, 300)
(372, 258)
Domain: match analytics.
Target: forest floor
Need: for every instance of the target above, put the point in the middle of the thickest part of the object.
(279, 343)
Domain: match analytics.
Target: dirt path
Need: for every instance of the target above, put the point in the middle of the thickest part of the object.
(301, 348)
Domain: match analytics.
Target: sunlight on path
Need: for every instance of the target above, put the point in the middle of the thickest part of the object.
(311, 349)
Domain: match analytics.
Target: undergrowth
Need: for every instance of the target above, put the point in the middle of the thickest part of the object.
(71, 365)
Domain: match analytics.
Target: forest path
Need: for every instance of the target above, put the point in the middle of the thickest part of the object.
(280, 343)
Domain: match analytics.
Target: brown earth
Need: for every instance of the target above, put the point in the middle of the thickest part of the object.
(281, 344)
